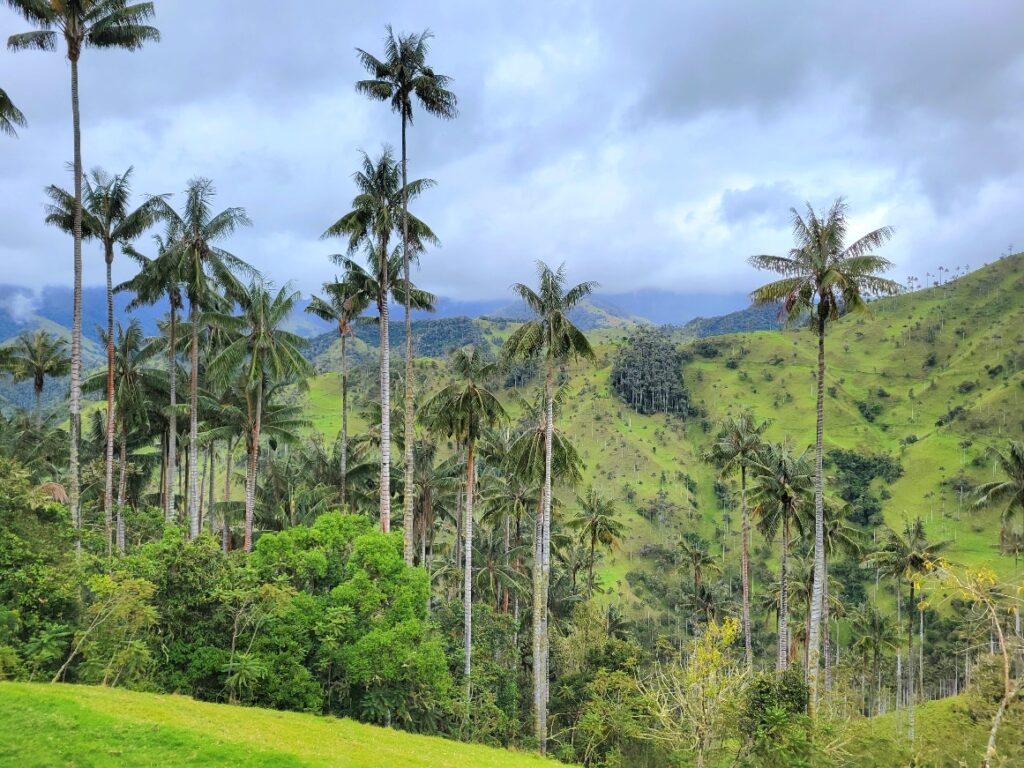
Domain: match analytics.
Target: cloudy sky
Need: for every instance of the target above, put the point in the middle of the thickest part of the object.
(646, 144)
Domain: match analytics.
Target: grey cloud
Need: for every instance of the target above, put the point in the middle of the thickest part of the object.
(771, 201)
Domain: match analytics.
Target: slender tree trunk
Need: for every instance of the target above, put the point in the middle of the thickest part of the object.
(193, 433)
(39, 406)
(172, 443)
(782, 661)
(539, 724)
(410, 434)
(75, 408)
(817, 595)
(344, 423)
(910, 664)
(920, 652)
(541, 600)
(385, 407)
(467, 592)
(225, 535)
(121, 483)
(745, 567)
(202, 489)
(590, 565)
(825, 633)
(508, 544)
(250, 480)
(213, 473)
(108, 468)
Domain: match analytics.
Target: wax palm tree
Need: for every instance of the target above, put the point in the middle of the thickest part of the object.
(840, 536)
(738, 444)
(873, 634)
(551, 335)
(83, 24)
(342, 305)
(10, 116)
(134, 382)
(907, 556)
(597, 524)
(34, 357)
(822, 278)
(402, 77)
(693, 551)
(207, 274)
(379, 210)
(267, 354)
(1009, 493)
(106, 216)
(782, 493)
(463, 410)
(156, 280)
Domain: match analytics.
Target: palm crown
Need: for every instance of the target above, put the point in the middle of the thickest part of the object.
(10, 116)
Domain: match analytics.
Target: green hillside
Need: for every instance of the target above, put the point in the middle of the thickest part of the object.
(931, 379)
(72, 725)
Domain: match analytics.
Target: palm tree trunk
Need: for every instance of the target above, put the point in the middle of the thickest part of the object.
(121, 483)
(745, 567)
(254, 455)
(541, 600)
(467, 592)
(193, 429)
(39, 405)
(225, 535)
(385, 410)
(410, 435)
(75, 408)
(782, 661)
(590, 564)
(344, 422)
(539, 723)
(172, 443)
(213, 466)
(825, 633)
(817, 595)
(108, 469)
(508, 544)
(910, 665)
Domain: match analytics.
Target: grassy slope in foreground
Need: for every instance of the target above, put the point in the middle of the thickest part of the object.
(72, 725)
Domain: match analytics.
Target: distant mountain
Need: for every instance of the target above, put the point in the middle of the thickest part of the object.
(752, 318)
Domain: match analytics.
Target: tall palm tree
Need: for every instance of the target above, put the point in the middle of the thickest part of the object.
(597, 524)
(463, 410)
(108, 218)
(207, 273)
(134, 381)
(1008, 492)
(906, 557)
(782, 493)
(379, 208)
(822, 277)
(873, 635)
(551, 335)
(33, 357)
(694, 551)
(401, 76)
(342, 305)
(83, 24)
(737, 446)
(267, 354)
(157, 279)
(10, 116)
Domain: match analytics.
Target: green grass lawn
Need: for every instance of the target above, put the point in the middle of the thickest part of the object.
(94, 727)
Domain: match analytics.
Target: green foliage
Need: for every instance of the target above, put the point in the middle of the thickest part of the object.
(773, 720)
(647, 373)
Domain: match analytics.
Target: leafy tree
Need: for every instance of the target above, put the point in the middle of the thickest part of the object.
(647, 373)
(822, 278)
(738, 445)
(267, 354)
(873, 635)
(34, 357)
(203, 268)
(597, 524)
(694, 551)
(551, 335)
(10, 116)
(379, 208)
(342, 305)
(782, 494)
(463, 410)
(402, 75)
(83, 24)
(105, 216)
